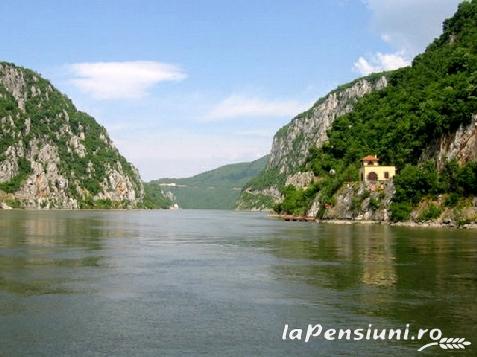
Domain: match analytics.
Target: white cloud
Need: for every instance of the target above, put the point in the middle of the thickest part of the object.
(380, 62)
(122, 80)
(410, 25)
(236, 106)
(406, 25)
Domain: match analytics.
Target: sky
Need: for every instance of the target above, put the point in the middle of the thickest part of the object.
(185, 86)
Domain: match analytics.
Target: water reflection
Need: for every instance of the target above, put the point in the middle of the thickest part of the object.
(377, 257)
(421, 276)
(39, 250)
(147, 275)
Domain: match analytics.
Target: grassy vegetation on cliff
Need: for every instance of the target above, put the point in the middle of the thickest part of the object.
(274, 176)
(49, 117)
(433, 97)
(296, 200)
(14, 184)
(415, 183)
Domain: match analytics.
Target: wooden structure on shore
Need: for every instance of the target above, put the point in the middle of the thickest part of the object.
(292, 218)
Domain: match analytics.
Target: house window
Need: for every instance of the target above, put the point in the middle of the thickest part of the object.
(386, 175)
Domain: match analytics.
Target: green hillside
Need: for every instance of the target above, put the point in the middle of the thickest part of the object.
(215, 189)
(54, 156)
(421, 104)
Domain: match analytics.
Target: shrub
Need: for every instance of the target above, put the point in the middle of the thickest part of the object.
(467, 179)
(13, 185)
(14, 203)
(431, 212)
(452, 200)
(356, 202)
(400, 211)
(104, 204)
(297, 201)
(374, 203)
(415, 182)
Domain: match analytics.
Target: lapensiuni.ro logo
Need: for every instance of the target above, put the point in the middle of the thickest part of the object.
(371, 333)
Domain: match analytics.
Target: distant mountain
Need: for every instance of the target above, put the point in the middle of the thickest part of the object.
(215, 189)
(54, 156)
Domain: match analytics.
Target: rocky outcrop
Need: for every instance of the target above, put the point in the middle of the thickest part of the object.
(118, 186)
(14, 82)
(463, 214)
(300, 179)
(371, 202)
(53, 156)
(170, 196)
(45, 187)
(460, 146)
(293, 142)
(359, 201)
(3, 205)
(259, 200)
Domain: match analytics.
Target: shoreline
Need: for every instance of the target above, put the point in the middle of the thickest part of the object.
(285, 218)
(410, 224)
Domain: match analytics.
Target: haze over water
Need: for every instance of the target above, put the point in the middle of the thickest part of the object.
(224, 283)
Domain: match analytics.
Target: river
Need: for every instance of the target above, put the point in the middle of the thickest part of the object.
(224, 283)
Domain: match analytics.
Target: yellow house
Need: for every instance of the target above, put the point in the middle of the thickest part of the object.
(371, 171)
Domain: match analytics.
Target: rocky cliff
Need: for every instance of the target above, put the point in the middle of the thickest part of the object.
(357, 201)
(363, 202)
(460, 145)
(423, 121)
(54, 156)
(292, 143)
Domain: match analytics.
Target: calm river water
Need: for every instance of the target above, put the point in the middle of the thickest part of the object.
(159, 283)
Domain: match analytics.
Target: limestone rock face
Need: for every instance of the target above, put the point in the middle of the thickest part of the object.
(259, 200)
(460, 146)
(314, 209)
(292, 143)
(300, 179)
(45, 187)
(12, 79)
(170, 196)
(52, 155)
(360, 201)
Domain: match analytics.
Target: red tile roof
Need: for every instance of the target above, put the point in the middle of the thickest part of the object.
(370, 158)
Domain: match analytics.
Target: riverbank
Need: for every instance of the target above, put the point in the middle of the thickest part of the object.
(290, 218)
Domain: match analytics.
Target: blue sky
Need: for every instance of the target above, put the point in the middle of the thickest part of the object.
(184, 86)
